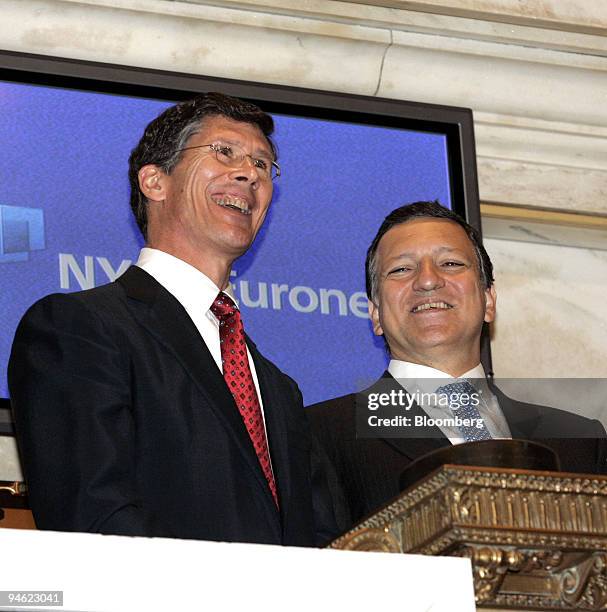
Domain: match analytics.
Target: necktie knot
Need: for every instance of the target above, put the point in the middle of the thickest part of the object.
(457, 389)
(223, 307)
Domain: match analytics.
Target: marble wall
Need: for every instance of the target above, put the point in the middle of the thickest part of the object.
(10, 468)
(551, 323)
(551, 304)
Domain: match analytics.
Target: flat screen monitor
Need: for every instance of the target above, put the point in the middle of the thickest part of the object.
(66, 131)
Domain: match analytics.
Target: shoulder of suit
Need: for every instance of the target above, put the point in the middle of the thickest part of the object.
(333, 409)
(568, 423)
(346, 404)
(566, 418)
(103, 303)
(135, 282)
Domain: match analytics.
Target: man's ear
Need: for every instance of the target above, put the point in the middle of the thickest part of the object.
(152, 182)
(490, 300)
(374, 315)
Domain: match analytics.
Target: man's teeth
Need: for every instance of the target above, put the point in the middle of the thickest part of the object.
(233, 202)
(432, 305)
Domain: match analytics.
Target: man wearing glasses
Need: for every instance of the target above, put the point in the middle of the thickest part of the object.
(141, 407)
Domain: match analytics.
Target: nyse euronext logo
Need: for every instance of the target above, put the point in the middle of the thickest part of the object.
(21, 231)
(77, 274)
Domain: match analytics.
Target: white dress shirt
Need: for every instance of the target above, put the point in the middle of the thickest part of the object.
(416, 378)
(196, 292)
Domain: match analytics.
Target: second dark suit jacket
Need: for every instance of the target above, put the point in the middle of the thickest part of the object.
(369, 469)
(126, 426)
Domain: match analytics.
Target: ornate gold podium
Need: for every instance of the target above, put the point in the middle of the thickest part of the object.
(537, 540)
(14, 511)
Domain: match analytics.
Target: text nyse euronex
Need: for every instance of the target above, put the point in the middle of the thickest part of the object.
(93, 271)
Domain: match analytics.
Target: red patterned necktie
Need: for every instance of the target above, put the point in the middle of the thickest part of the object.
(238, 377)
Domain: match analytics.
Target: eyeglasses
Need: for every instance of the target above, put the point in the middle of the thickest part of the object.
(233, 156)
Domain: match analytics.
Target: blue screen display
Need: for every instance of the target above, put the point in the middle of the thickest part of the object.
(65, 223)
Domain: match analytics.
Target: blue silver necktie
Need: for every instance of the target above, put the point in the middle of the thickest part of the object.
(466, 410)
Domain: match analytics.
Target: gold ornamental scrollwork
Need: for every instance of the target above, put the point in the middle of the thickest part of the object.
(584, 586)
(14, 488)
(373, 540)
(465, 504)
(489, 566)
(547, 560)
(536, 540)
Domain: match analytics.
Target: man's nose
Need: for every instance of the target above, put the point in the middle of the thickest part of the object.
(428, 277)
(246, 171)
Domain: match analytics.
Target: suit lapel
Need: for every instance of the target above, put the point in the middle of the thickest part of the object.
(276, 428)
(522, 423)
(159, 312)
(414, 447)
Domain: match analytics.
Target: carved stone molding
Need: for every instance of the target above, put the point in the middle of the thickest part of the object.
(536, 88)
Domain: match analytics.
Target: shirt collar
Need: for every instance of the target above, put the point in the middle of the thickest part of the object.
(189, 285)
(418, 377)
(403, 370)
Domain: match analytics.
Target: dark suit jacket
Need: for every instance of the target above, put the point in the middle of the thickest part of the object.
(369, 469)
(126, 426)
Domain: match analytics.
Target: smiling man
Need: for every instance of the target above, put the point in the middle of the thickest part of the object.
(429, 295)
(141, 407)
(430, 289)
